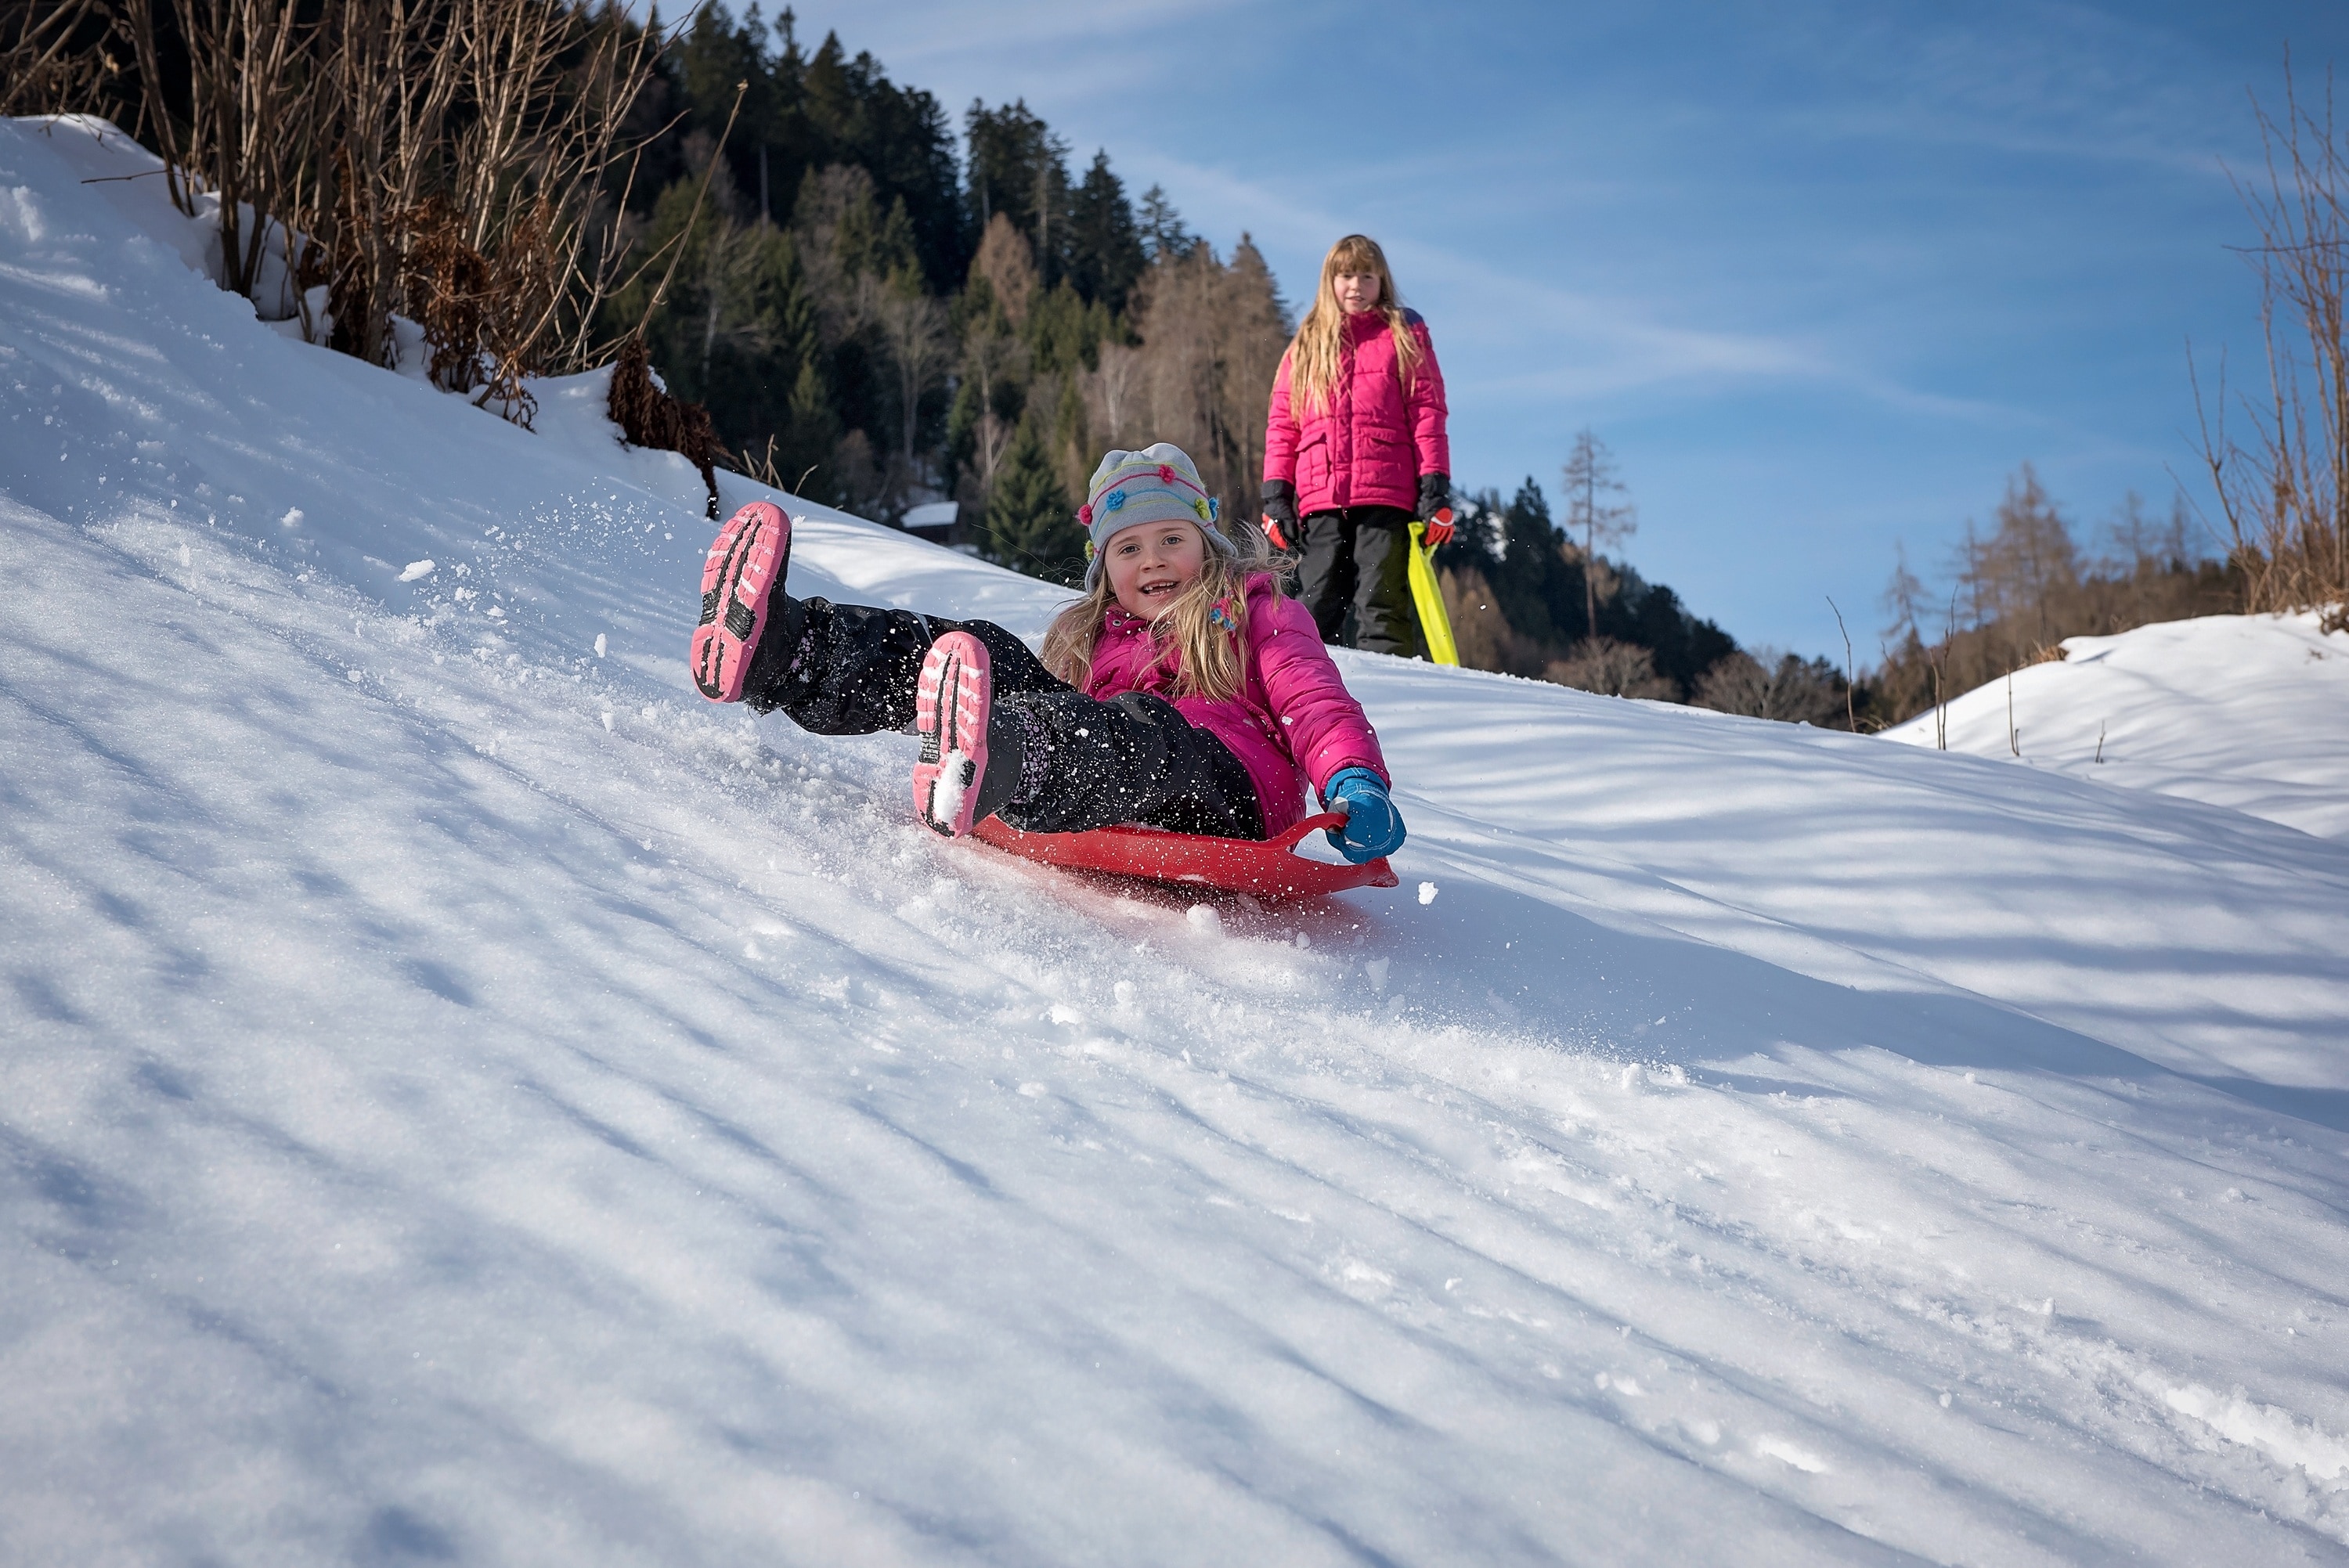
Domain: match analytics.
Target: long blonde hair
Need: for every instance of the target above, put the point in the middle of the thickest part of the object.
(1314, 352)
(1204, 628)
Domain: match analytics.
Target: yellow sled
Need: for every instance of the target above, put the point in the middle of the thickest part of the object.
(1427, 594)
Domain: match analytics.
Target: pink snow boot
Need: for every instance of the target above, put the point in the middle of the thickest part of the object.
(950, 714)
(749, 556)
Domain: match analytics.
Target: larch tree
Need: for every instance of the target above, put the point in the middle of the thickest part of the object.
(1591, 480)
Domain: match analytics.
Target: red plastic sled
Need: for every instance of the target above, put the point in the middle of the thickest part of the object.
(1268, 868)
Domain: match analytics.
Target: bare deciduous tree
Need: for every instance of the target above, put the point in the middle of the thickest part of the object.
(1211, 336)
(1009, 266)
(915, 327)
(1590, 477)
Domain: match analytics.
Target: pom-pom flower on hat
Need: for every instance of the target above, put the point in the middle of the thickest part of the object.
(1158, 484)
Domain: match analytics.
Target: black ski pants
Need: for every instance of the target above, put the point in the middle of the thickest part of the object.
(1085, 763)
(1359, 558)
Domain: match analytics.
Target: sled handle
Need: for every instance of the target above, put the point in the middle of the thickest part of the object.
(1295, 835)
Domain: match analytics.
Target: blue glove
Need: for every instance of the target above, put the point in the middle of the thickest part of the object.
(1373, 826)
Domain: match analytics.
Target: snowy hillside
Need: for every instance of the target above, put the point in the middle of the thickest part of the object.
(2247, 711)
(464, 1098)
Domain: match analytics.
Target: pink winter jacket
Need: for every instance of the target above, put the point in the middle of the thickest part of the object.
(1292, 716)
(1369, 446)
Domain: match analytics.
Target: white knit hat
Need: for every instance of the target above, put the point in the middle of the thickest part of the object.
(1157, 484)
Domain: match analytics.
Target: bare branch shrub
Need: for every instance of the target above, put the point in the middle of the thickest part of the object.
(2284, 486)
(1611, 669)
(1768, 683)
(53, 59)
(649, 416)
(444, 158)
(249, 130)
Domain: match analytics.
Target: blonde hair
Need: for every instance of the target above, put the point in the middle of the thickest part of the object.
(1208, 661)
(1321, 340)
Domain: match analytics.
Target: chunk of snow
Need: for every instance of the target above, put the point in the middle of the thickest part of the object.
(1205, 919)
(416, 570)
(1787, 1453)
(2291, 1438)
(946, 795)
(1427, 893)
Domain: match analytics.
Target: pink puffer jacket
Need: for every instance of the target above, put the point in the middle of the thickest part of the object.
(1369, 446)
(1292, 716)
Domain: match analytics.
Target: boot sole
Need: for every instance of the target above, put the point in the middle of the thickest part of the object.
(742, 564)
(950, 716)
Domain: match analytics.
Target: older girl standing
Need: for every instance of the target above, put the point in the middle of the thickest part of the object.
(1354, 449)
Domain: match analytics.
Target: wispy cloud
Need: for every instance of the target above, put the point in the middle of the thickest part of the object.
(1568, 345)
(1027, 34)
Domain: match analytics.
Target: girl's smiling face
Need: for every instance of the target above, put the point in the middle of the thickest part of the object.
(1150, 563)
(1356, 291)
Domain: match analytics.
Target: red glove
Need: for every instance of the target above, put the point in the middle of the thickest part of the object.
(1280, 514)
(1439, 528)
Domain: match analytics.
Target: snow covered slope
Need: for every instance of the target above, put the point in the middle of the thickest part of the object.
(463, 1099)
(2247, 711)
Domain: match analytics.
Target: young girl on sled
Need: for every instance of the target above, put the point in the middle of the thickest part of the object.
(1183, 690)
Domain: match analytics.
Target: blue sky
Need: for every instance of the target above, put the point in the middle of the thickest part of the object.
(1822, 275)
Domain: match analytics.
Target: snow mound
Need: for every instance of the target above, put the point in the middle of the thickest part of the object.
(466, 1099)
(2246, 711)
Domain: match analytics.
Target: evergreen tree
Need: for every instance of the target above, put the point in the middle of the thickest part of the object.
(810, 433)
(1064, 333)
(1651, 616)
(1104, 246)
(901, 138)
(1031, 526)
(1019, 169)
(1538, 588)
(738, 327)
(1161, 228)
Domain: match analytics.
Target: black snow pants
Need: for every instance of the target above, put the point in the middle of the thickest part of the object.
(1361, 559)
(852, 669)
